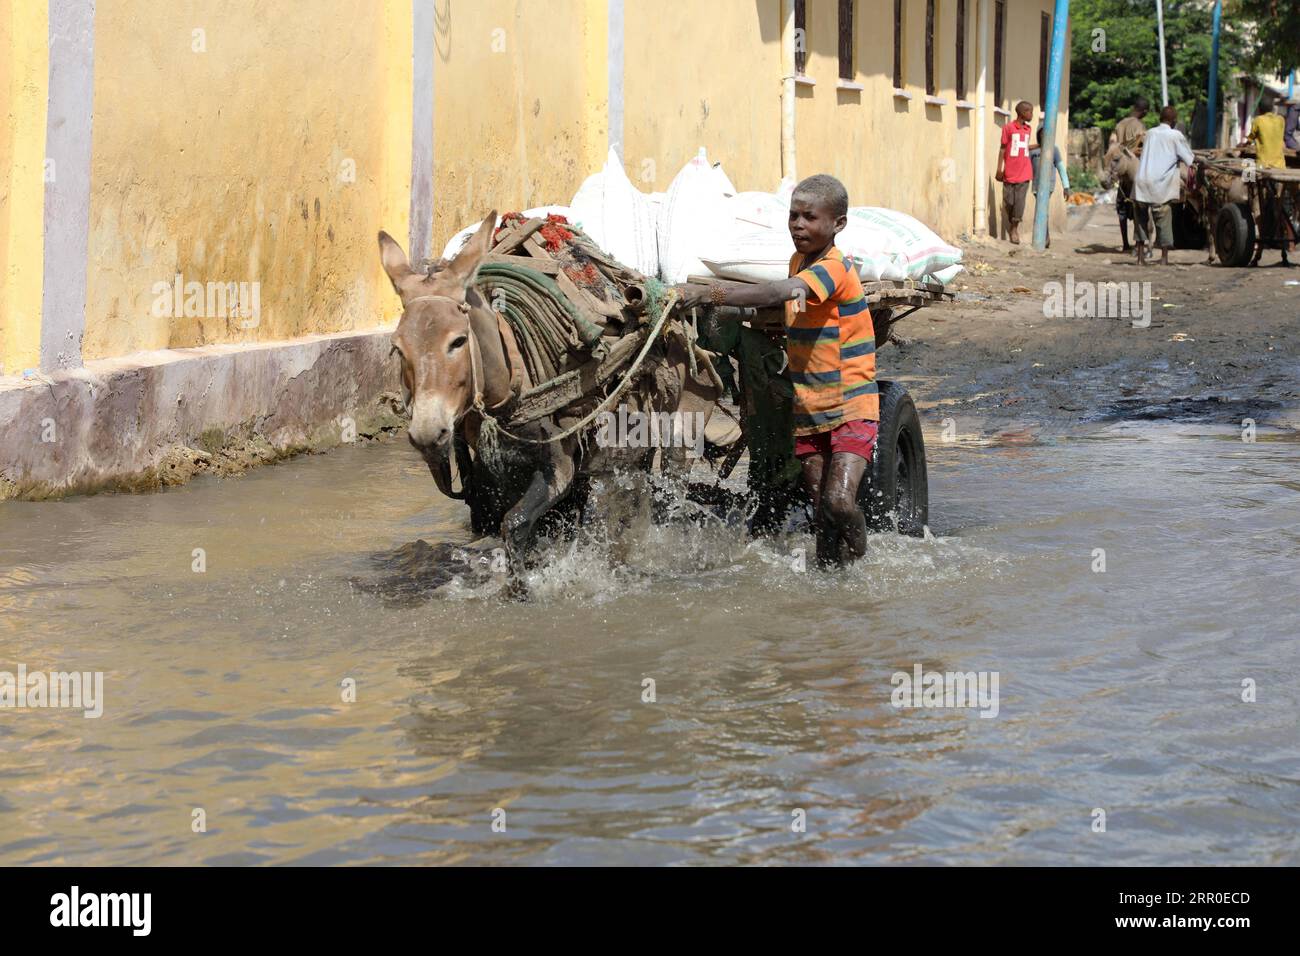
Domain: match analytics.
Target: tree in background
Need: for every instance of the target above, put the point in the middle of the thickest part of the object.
(1276, 40)
(1115, 58)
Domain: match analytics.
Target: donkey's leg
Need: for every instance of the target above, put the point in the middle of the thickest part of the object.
(549, 484)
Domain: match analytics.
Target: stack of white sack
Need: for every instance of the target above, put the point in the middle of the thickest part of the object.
(702, 224)
(751, 241)
(655, 233)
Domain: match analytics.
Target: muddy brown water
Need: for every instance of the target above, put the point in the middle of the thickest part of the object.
(1119, 691)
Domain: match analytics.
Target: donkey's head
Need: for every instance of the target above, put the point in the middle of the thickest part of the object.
(433, 340)
(1119, 166)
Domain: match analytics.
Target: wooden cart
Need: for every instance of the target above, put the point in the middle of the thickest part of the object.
(1244, 208)
(889, 301)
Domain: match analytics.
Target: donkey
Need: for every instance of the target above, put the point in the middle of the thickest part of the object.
(1119, 168)
(451, 344)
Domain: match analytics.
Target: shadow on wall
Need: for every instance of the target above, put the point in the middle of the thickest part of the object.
(442, 29)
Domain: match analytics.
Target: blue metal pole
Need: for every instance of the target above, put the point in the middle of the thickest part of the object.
(1213, 124)
(1046, 169)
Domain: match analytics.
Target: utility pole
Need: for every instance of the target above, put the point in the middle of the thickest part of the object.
(1160, 27)
(1046, 168)
(981, 94)
(1212, 126)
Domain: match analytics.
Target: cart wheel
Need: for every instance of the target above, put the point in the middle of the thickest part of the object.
(894, 494)
(1234, 234)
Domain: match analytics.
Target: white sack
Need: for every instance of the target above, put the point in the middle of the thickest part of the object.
(618, 217)
(694, 208)
(750, 240)
(946, 276)
(914, 248)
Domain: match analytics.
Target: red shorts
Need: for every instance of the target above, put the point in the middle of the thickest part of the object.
(857, 437)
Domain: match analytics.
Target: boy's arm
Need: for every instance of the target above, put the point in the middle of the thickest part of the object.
(750, 295)
(1065, 176)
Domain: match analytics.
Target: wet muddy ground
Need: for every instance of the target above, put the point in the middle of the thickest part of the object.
(1223, 343)
(1102, 539)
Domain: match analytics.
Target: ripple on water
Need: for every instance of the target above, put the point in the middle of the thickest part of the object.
(771, 686)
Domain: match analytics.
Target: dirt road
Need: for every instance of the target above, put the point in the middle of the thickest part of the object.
(1223, 343)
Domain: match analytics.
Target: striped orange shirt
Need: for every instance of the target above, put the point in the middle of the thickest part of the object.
(831, 345)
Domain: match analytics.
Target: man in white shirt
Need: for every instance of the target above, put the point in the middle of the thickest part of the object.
(1157, 183)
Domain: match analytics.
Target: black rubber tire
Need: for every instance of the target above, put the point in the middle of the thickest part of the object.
(894, 494)
(1234, 235)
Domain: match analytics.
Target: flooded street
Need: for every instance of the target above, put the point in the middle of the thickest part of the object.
(1119, 690)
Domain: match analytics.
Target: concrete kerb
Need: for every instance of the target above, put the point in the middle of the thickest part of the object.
(157, 418)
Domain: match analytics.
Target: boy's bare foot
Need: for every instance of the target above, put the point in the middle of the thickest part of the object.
(1014, 236)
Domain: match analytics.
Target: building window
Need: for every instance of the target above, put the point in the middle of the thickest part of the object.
(800, 36)
(898, 44)
(1044, 45)
(999, 34)
(931, 88)
(846, 39)
(961, 49)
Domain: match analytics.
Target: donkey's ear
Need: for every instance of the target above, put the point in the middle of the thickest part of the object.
(470, 257)
(394, 260)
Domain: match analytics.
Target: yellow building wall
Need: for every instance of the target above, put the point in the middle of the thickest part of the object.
(720, 88)
(520, 92)
(6, 162)
(245, 142)
(697, 76)
(24, 73)
(225, 140)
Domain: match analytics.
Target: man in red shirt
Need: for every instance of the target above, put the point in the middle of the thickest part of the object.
(1015, 169)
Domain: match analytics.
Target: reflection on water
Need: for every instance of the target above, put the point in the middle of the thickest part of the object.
(1119, 690)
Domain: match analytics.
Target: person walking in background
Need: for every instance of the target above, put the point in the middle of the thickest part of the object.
(1157, 183)
(1058, 166)
(1014, 169)
(1266, 132)
(1129, 133)
(1291, 132)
